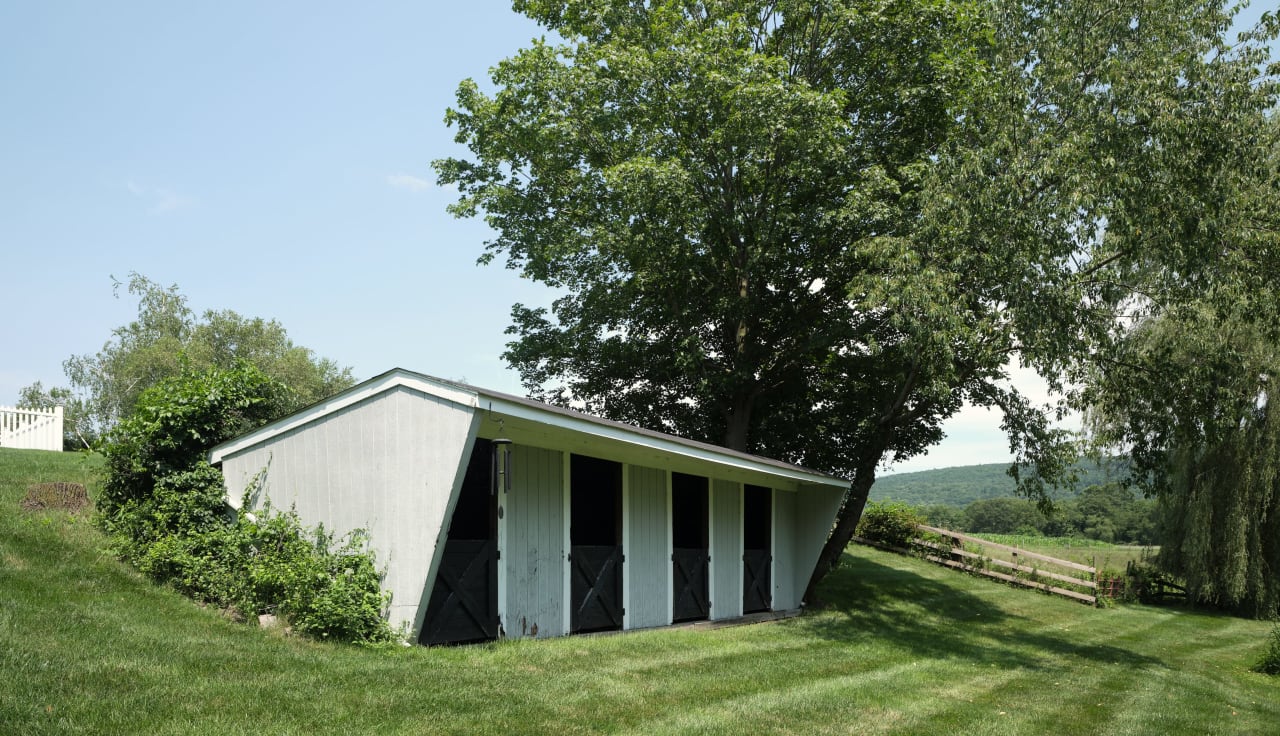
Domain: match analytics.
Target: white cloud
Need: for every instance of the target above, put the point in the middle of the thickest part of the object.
(409, 182)
(973, 434)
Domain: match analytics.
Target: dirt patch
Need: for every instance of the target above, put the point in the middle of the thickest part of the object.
(63, 496)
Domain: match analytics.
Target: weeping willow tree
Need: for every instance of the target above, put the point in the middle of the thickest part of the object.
(1193, 394)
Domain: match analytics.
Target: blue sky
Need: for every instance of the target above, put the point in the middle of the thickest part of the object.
(270, 158)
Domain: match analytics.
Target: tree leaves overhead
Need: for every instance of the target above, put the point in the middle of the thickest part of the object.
(815, 229)
(709, 185)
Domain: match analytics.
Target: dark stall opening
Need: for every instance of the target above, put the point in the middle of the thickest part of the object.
(757, 528)
(464, 600)
(595, 544)
(690, 554)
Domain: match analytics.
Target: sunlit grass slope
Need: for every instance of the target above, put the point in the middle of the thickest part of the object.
(904, 647)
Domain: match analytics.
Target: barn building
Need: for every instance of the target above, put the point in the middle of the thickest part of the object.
(495, 515)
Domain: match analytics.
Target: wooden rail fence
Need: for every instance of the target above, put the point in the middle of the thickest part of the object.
(1024, 568)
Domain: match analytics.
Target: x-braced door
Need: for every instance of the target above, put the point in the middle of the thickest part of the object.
(690, 549)
(755, 580)
(596, 588)
(464, 600)
(757, 534)
(595, 544)
(690, 600)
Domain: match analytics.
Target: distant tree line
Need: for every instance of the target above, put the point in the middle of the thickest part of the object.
(962, 485)
(165, 340)
(1108, 512)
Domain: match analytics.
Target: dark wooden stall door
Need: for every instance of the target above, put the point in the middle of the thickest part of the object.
(691, 601)
(757, 523)
(464, 600)
(690, 555)
(595, 544)
(596, 588)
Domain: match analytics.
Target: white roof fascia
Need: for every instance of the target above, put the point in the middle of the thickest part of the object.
(354, 395)
(529, 410)
(587, 424)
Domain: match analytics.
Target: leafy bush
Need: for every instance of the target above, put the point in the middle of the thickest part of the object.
(165, 509)
(889, 522)
(1270, 662)
(175, 423)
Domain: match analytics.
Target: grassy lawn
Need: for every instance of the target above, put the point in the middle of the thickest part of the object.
(904, 647)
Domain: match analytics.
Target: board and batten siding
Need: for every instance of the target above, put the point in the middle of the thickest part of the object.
(785, 595)
(726, 549)
(390, 465)
(648, 555)
(533, 559)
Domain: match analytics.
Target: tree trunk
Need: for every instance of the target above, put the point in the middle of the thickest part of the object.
(737, 422)
(846, 523)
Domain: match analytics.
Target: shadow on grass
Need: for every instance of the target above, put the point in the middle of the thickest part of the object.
(935, 619)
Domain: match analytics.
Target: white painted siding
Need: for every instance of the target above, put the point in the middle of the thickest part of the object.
(816, 509)
(533, 560)
(648, 555)
(785, 596)
(726, 549)
(389, 464)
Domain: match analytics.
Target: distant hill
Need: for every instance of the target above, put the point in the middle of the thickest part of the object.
(961, 486)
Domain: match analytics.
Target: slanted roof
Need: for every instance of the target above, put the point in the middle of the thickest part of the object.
(514, 414)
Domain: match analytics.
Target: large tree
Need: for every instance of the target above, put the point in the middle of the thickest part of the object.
(1192, 394)
(814, 229)
(166, 339)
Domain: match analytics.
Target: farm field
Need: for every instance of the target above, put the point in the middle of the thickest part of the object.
(1101, 555)
(903, 647)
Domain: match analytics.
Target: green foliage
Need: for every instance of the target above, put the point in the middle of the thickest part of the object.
(175, 422)
(1270, 662)
(1194, 397)
(271, 563)
(1002, 516)
(816, 231)
(1107, 511)
(165, 509)
(166, 339)
(890, 523)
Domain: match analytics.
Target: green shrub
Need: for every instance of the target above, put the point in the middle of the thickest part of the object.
(174, 424)
(889, 522)
(165, 510)
(1270, 662)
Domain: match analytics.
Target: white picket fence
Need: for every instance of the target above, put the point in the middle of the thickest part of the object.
(31, 429)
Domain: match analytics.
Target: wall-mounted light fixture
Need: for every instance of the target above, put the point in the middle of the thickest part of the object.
(500, 473)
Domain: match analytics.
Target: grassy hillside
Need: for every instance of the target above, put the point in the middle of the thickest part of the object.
(905, 647)
(961, 486)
